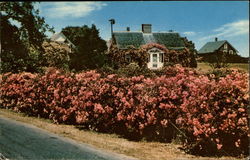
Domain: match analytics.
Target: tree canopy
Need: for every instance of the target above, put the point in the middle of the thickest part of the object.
(89, 47)
(33, 27)
(21, 46)
(24, 48)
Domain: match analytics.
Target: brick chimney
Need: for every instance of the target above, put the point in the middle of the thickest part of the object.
(146, 28)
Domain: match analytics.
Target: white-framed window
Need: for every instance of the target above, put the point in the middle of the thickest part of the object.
(154, 57)
(161, 57)
(231, 52)
(225, 46)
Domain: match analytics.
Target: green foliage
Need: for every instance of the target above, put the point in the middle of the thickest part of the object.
(89, 47)
(33, 27)
(21, 50)
(134, 69)
(13, 50)
(220, 59)
(209, 114)
(118, 56)
(190, 45)
(217, 60)
(141, 57)
(56, 55)
(236, 59)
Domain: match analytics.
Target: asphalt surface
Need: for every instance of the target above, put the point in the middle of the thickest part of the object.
(20, 141)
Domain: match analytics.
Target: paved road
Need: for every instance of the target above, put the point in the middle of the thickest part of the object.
(21, 141)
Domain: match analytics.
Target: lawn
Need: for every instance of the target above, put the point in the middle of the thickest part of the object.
(204, 67)
(142, 150)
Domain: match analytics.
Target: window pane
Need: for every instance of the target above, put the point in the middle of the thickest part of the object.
(161, 57)
(154, 57)
(155, 65)
(225, 46)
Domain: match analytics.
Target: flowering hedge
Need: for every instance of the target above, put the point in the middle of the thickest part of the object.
(209, 113)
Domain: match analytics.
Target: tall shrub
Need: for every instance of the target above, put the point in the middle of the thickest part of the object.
(209, 112)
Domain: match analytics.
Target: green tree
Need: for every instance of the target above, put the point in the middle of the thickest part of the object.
(22, 45)
(13, 51)
(218, 60)
(89, 47)
(56, 55)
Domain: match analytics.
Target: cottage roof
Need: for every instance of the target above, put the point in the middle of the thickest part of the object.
(169, 39)
(57, 36)
(210, 47)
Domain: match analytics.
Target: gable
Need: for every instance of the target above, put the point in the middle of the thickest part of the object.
(230, 46)
(60, 37)
(210, 47)
(155, 50)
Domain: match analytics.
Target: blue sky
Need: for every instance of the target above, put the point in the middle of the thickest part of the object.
(199, 21)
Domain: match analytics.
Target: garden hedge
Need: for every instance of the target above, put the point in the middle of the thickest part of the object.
(207, 113)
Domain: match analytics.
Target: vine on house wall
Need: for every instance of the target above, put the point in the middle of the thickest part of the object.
(141, 56)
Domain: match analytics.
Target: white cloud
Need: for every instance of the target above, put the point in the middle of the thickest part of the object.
(230, 30)
(71, 9)
(189, 33)
(237, 33)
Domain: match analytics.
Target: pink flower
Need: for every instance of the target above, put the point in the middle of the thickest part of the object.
(111, 76)
(242, 121)
(141, 126)
(233, 115)
(219, 146)
(98, 108)
(241, 110)
(228, 100)
(237, 144)
(164, 122)
(217, 140)
(119, 116)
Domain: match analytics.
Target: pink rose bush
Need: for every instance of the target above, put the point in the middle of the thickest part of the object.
(207, 113)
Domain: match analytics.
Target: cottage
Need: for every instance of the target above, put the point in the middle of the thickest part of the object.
(171, 40)
(220, 51)
(213, 47)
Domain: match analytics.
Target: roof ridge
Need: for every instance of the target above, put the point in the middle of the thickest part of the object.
(128, 31)
(140, 32)
(217, 41)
